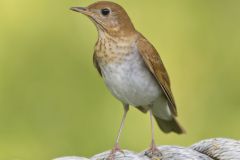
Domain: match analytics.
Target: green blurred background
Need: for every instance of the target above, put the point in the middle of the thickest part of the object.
(53, 102)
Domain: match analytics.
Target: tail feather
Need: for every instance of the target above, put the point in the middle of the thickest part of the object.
(164, 117)
(169, 125)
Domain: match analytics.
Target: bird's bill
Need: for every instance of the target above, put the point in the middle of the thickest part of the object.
(82, 10)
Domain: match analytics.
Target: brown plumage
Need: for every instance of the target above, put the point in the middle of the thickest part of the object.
(131, 67)
(155, 65)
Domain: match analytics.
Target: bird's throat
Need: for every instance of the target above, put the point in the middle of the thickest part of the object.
(113, 49)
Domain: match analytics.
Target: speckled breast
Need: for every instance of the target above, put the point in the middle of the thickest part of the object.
(125, 73)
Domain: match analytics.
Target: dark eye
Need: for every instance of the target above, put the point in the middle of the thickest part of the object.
(105, 11)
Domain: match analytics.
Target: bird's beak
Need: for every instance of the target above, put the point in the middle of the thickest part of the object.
(82, 10)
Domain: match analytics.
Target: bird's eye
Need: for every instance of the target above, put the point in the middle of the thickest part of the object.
(105, 11)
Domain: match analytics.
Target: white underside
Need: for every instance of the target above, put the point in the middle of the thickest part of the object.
(131, 82)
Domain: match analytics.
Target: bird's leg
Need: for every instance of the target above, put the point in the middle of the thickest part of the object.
(116, 147)
(153, 150)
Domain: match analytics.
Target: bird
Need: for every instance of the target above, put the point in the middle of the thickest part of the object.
(131, 69)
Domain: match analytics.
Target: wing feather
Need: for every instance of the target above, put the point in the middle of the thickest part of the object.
(155, 65)
(96, 64)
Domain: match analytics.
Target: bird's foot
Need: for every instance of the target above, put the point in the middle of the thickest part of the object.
(154, 153)
(114, 151)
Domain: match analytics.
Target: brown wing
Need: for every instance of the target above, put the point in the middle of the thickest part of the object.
(155, 65)
(96, 63)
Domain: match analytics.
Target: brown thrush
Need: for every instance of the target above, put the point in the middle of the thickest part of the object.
(131, 68)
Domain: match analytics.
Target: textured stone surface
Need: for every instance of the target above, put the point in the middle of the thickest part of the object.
(211, 149)
(219, 148)
(177, 153)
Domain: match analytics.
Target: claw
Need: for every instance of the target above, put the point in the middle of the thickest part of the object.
(153, 152)
(114, 151)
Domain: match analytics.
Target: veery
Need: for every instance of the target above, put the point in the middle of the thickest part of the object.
(131, 68)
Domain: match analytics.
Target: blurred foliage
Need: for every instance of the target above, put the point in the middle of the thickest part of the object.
(53, 102)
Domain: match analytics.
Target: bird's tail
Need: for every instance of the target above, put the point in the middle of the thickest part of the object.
(169, 125)
(165, 118)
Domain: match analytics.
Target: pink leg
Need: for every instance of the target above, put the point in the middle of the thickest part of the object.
(116, 147)
(153, 150)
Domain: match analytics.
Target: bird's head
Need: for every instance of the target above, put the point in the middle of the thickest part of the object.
(108, 17)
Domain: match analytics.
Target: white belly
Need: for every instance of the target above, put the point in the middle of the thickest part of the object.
(131, 82)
